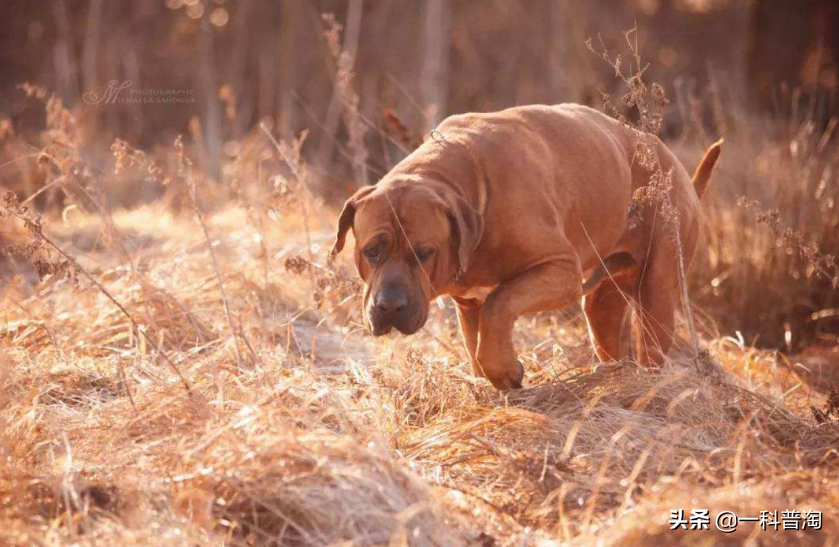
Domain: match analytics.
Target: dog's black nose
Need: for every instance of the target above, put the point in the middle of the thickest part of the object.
(391, 301)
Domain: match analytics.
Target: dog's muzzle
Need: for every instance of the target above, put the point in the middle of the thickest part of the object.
(393, 307)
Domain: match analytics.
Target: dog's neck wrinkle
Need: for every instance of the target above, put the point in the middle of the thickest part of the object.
(450, 163)
(480, 180)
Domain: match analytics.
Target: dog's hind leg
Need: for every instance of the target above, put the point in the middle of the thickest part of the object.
(607, 293)
(655, 322)
(605, 310)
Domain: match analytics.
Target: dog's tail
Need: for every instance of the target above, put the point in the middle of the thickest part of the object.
(706, 165)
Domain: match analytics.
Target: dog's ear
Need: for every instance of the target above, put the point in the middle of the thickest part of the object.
(345, 221)
(467, 228)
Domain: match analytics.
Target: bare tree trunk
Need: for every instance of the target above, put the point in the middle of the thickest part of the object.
(269, 84)
(64, 60)
(805, 68)
(435, 69)
(131, 63)
(290, 17)
(238, 63)
(333, 114)
(90, 51)
(212, 107)
(558, 54)
(91, 44)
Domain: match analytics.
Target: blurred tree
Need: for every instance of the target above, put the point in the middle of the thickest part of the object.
(793, 57)
(243, 61)
(435, 77)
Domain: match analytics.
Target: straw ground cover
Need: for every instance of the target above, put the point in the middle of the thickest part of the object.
(191, 371)
(321, 435)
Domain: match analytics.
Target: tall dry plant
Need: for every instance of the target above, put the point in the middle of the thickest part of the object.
(771, 232)
(51, 259)
(647, 101)
(69, 177)
(185, 170)
(74, 183)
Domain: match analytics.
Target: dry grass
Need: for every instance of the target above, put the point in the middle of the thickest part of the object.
(327, 436)
(299, 429)
(772, 259)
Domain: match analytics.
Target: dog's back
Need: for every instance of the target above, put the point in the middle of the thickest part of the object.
(621, 198)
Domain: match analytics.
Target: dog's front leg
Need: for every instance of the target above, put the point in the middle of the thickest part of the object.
(548, 286)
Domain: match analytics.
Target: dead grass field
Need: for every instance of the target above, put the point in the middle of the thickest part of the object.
(190, 370)
(321, 435)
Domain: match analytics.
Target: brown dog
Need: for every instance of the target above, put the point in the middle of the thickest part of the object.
(508, 212)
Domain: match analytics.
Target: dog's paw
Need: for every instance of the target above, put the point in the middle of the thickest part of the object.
(508, 380)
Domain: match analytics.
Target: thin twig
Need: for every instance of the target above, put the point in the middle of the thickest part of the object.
(186, 168)
(78, 268)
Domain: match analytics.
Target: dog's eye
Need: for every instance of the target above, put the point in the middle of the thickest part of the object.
(424, 253)
(372, 253)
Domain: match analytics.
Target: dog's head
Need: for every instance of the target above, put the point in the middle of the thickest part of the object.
(411, 241)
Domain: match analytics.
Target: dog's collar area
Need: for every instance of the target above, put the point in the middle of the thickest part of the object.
(481, 182)
(442, 139)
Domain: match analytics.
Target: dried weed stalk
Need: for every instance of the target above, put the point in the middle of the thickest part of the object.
(831, 407)
(396, 129)
(185, 170)
(648, 101)
(344, 76)
(67, 264)
(817, 262)
(127, 157)
(771, 259)
(332, 284)
(60, 157)
(290, 154)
